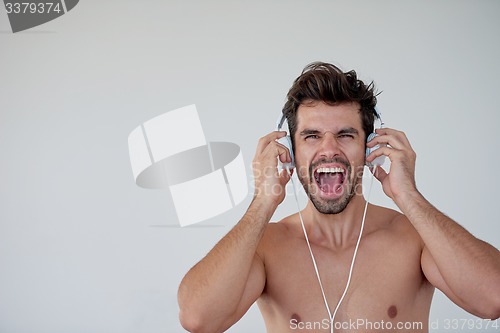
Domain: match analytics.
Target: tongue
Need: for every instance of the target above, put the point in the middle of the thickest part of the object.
(330, 182)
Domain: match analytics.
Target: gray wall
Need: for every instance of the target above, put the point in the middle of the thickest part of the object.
(83, 249)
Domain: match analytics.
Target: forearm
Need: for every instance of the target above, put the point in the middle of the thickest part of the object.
(469, 266)
(212, 289)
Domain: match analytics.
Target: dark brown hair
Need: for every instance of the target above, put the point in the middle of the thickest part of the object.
(325, 82)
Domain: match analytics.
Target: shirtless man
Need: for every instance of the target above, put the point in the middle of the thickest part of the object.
(401, 257)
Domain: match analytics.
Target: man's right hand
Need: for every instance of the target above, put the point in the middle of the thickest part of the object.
(269, 184)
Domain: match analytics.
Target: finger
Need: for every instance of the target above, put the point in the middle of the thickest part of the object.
(386, 140)
(394, 138)
(387, 130)
(276, 150)
(265, 140)
(378, 152)
(379, 173)
(281, 151)
(285, 176)
(284, 156)
(389, 152)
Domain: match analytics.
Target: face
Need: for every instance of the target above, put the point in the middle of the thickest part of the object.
(329, 153)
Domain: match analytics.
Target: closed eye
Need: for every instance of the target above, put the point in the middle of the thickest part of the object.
(314, 134)
(310, 134)
(347, 133)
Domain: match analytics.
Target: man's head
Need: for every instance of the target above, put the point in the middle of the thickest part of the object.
(325, 82)
(330, 114)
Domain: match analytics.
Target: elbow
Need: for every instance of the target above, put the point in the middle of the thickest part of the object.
(492, 309)
(495, 314)
(488, 314)
(495, 308)
(200, 323)
(196, 316)
(195, 321)
(190, 323)
(191, 319)
(488, 305)
(197, 324)
(189, 316)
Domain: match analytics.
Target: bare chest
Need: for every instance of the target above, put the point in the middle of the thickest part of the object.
(387, 286)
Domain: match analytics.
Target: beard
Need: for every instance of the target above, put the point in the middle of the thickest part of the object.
(330, 206)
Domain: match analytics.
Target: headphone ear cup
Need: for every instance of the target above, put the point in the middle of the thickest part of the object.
(377, 161)
(287, 142)
(370, 138)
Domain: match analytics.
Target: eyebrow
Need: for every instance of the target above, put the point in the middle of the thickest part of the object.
(347, 130)
(309, 131)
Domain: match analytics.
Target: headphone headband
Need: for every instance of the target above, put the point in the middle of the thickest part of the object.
(280, 122)
(379, 116)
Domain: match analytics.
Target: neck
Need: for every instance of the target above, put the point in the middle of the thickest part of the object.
(335, 230)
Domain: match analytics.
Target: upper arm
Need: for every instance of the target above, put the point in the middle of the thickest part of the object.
(253, 289)
(433, 275)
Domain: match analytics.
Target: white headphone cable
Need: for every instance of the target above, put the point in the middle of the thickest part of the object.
(332, 317)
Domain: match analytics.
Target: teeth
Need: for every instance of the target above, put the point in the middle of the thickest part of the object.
(330, 170)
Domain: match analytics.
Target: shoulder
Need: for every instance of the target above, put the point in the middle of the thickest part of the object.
(279, 229)
(386, 218)
(393, 225)
(278, 234)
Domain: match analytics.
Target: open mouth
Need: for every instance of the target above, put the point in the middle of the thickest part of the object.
(330, 179)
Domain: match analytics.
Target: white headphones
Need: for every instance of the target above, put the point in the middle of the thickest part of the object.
(287, 142)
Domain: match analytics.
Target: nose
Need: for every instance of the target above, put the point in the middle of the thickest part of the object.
(329, 146)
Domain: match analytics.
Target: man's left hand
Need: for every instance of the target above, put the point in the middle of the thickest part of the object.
(401, 177)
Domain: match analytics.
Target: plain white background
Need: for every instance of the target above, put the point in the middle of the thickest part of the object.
(83, 249)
